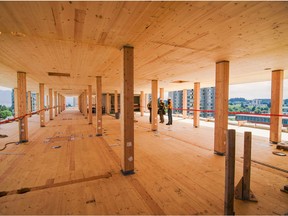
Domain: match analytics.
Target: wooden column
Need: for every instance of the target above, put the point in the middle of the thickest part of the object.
(142, 103)
(229, 174)
(276, 106)
(116, 101)
(196, 104)
(108, 103)
(146, 102)
(221, 106)
(15, 102)
(59, 102)
(23, 122)
(162, 93)
(47, 101)
(55, 103)
(29, 105)
(85, 103)
(127, 112)
(98, 106)
(184, 103)
(51, 104)
(154, 103)
(90, 104)
(42, 113)
(37, 101)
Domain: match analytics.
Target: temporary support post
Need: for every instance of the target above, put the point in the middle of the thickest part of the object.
(127, 114)
(55, 103)
(90, 104)
(184, 111)
(23, 122)
(108, 103)
(221, 106)
(154, 111)
(51, 104)
(98, 106)
(116, 102)
(242, 190)
(229, 173)
(196, 105)
(15, 102)
(42, 113)
(29, 105)
(142, 103)
(162, 93)
(276, 106)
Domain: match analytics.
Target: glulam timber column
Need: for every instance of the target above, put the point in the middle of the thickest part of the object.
(59, 102)
(154, 103)
(276, 106)
(42, 113)
(23, 122)
(90, 104)
(162, 93)
(127, 112)
(184, 102)
(98, 106)
(108, 104)
(51, 104)
(55, 103)
(116, 102)
(85, 103)
(196, 104)
(29, 106)
(142, 103)
(221, 106)
(15, 102)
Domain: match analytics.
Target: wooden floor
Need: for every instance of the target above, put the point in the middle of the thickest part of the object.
(176, 170)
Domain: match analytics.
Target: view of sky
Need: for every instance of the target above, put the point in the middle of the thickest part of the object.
(249, 91)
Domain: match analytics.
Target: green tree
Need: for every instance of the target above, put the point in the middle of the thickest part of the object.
(5, 113)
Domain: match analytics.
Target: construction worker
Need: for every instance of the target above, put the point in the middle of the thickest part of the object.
(169, 108)
(161, 110)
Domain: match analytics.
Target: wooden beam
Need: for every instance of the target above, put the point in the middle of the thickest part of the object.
(276, 106)
(196, 104)
(108, 103)
(90, 104)
(42, 113)
(184, 111)
(29, 104)
(23, 122)
(154, 111)
(15, 102)
(116, 102)
(55, 103)
(142, 103)
(127, 112)
(221, 106)
(229, 173)
(98, 106)
(51, 104)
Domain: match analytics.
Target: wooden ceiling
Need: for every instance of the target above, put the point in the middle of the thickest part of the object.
(172, 41)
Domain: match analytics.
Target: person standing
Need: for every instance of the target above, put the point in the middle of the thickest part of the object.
(149, 106)
(161, 110)
(169, 108)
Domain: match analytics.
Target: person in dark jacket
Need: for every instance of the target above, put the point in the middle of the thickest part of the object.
(169, 108)
(149, 106)
(161, 110)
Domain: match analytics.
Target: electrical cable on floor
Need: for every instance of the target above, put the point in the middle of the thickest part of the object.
(8, 144)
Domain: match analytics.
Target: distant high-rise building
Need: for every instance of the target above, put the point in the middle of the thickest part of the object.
(207, 101)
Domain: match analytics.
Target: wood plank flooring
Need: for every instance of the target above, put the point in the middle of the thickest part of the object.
(176, 170)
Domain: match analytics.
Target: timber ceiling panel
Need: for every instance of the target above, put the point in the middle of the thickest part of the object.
(172, 40)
